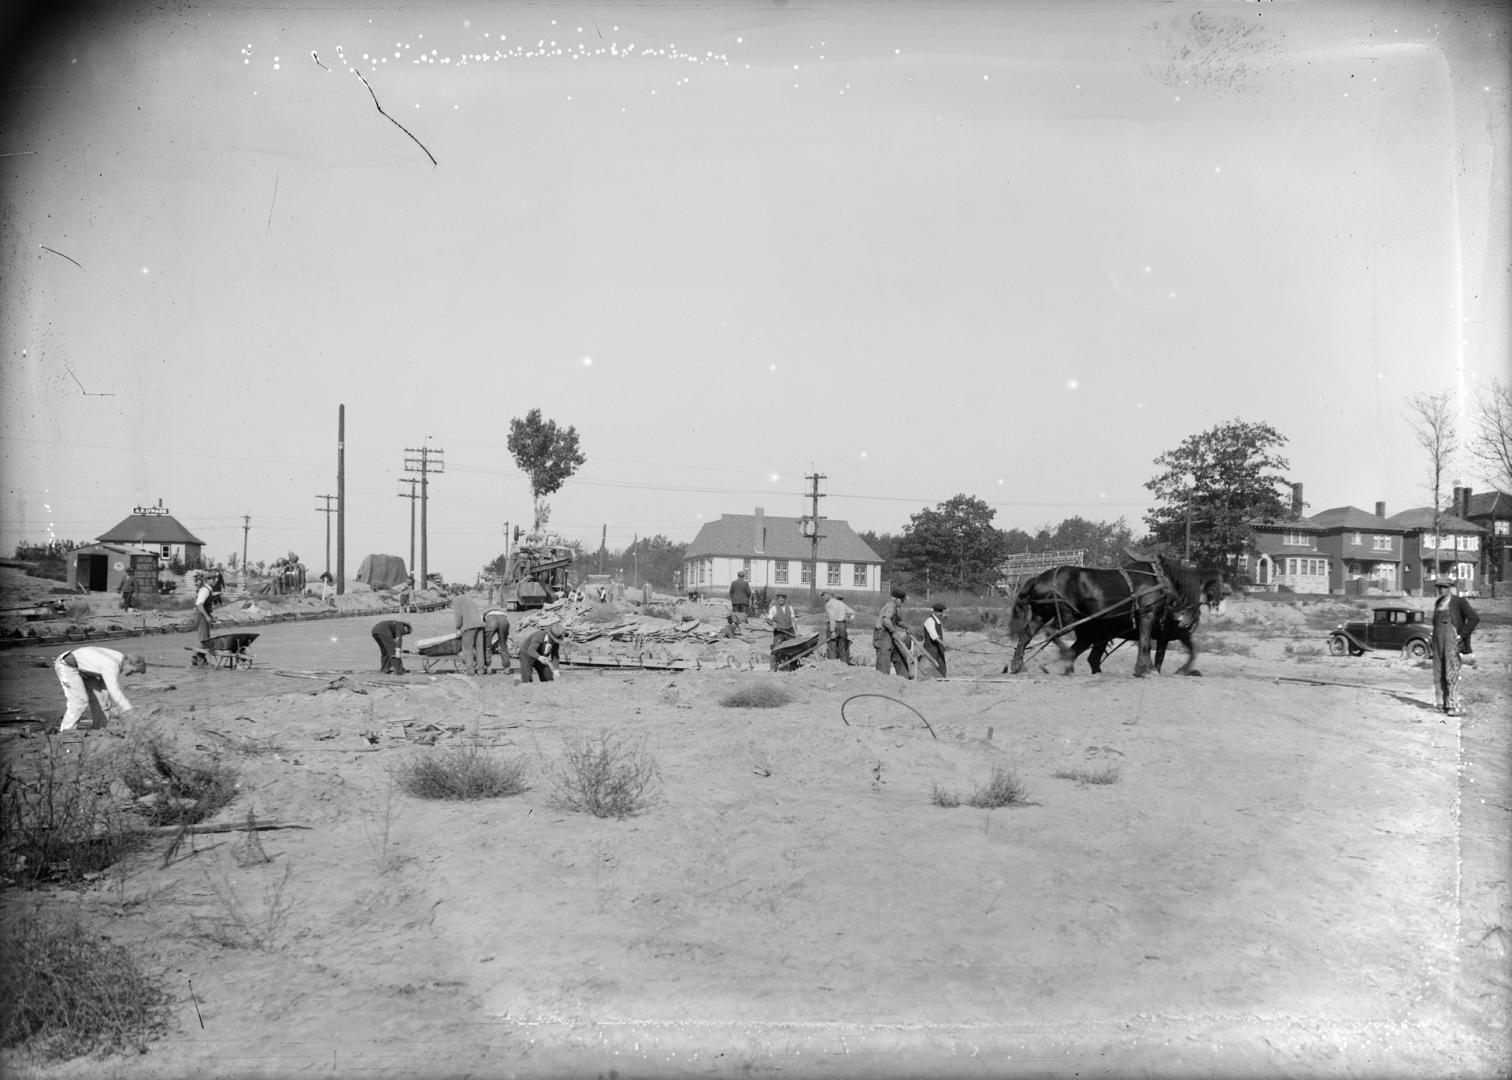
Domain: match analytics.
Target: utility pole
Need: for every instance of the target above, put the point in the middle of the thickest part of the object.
(340, 501)
(811, 527)
(603, 545)
(327, 510)
(246, 525)
(411, 495)
(425, 462)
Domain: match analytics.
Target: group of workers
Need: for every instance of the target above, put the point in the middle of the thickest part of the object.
(482, 635)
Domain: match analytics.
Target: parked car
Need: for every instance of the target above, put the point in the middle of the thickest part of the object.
(1389, 629)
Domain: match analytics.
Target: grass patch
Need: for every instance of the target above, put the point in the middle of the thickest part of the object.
(60, 824)
(1306, 648)
(1003, 788)
(1108, 774)
(65, 991)
(756, 695)
(606, 777)
(161, 602)
(467, 770)
(240, 926)
(1223, 647)
(173, 789)
(79, 610)
(942, 797)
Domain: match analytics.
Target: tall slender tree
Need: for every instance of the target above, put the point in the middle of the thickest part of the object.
(1434, 426)
(1491, 435)
(546, 454)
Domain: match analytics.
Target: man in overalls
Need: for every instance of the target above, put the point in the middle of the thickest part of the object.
(1453, 620)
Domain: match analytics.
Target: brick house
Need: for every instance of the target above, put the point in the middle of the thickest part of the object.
(1362, 547)
(776, 555)
(1491, 512)
(1454, 552)
(1286, 554)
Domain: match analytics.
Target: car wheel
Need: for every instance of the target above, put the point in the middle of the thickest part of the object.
(1415, 650)
(1338, 645)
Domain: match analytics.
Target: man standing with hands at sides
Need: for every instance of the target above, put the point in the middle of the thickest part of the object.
(784, 625)
(838, 614)
(934, 637)
(1453, 621)
(890, 637)
(468, 619)
(740, 595)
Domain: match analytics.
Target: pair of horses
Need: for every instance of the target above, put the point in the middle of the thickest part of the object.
(1149, 601)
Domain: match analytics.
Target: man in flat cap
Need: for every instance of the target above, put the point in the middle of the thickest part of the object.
(934, 637)
(890, 637)
(1453, 620)
(539, 652)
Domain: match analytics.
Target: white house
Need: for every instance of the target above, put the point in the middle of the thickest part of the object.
(776, 555)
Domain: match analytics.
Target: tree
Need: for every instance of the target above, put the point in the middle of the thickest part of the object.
(953, 546)
(885, 545)
(1491, 437)
(1433, 424)
(1104, 542)
(1215, 484)
(545, 453)
(654, 559)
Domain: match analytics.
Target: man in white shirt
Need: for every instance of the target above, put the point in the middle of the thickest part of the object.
(838, 614)
(934, 637)
(83, 672)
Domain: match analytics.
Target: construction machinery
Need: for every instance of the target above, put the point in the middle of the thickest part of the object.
(536, 575)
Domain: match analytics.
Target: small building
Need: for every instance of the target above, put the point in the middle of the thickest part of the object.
(101, 567)
(1453, 551)
(776, 555)
(155, 530)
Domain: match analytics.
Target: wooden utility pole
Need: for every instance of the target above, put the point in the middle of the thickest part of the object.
(327, 510)
(340, 501)
(411, 495)
(426, 462)
(246, 525)
(811, 526)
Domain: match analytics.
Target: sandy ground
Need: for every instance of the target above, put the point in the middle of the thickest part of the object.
(1301, 870)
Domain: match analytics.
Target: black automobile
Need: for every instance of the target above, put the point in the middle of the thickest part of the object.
(1389, 629)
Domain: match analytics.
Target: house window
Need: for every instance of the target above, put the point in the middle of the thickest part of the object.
(807, 577)
(1306, 567)
(1357, 539)
(1382, 543)
(746, 566)
(1501, 528)
(832, 573)
(1296, 539)
(858, 579)
(167, 550)
(780, 571)
(1468, 543)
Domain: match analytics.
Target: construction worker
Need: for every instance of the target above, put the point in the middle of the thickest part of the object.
(84, 672)
(784, 624)
(890, 637)
(934, 637)
(390, 635)
(204, 604)
(467, 617)
(539, 652)
(740, 595)
(838, 615)
(495, 639)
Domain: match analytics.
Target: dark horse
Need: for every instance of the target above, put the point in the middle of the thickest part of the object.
(1145, 601)
(1167, 630)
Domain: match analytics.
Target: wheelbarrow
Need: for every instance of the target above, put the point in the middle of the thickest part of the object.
(227, 650)
(435, 652)
(789, 653)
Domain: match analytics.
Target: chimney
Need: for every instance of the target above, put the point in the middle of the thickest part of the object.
(759, 541)
(1380, 509)
(1297, 503)
(1462, 507)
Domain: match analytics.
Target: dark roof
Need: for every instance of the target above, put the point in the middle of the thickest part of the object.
(149, 529)
(734, 535)
(1351, 517)
(1421, 517)
(1490, 504)
(1304, 524)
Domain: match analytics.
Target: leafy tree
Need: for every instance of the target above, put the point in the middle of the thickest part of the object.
(885, 545)
(1103, 541)
(232, 561)
(545, 453)
(653, 559)
(1491, 437)
(953, 546)
(1220, 481)
(1433, 425)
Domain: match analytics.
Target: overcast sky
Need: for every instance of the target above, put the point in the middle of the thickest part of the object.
(1011, 250)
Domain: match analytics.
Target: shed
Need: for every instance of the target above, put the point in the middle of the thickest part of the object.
(100, 568)
(156, 530)
(382, 571)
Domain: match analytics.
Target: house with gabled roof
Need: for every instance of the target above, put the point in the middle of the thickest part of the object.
(1449, 547)
(1362, 547)
(1491, 511)
(154, 529)
(776, 554)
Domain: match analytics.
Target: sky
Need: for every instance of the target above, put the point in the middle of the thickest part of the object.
(1012, 250)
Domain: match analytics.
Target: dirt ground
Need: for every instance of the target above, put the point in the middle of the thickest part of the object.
(1302, 869)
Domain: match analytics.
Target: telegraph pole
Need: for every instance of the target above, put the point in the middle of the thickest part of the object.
(246, 525)
(425, 461)
(811, 526)
(340, 501)
(327, 510)
(411, 495)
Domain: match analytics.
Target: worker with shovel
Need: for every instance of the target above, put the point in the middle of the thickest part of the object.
(890, 638)
(84, 673)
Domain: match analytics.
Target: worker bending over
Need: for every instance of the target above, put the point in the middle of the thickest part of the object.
(84, 672)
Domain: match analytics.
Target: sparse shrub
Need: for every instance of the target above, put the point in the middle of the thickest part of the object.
(187, 791)
(239, 926)
(467, 770)
(61, 824)
(605, 777)
(941, 797)
(79, 610)
(1306, 648)
(66, 991)
(1004, 788)
(756, 695)
(1108, 774)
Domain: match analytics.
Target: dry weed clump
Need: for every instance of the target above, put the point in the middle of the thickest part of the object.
(60, 824)
(943, 797)
(469, 770)
(239, 925)
(66, 991)
(1108, 774)
(756, 695)
(606, 777)
(173, 789)
(1003, 788)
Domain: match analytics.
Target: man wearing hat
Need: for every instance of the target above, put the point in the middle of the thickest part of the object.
(1453, 620)
(390, 635)
(838, 615)
(784, 625)
(467, 617)
(934, 637)
(539, 651)
(740, 594)
(84, 672)
(890, 637)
